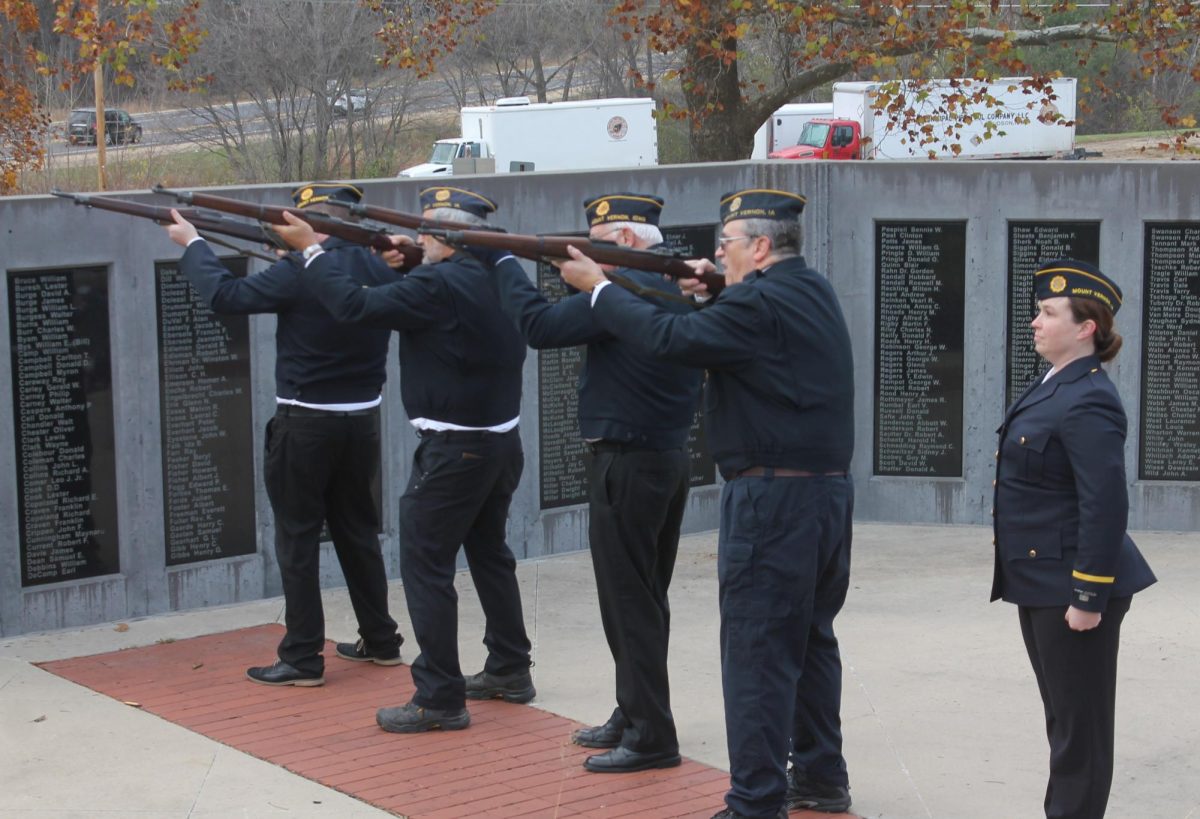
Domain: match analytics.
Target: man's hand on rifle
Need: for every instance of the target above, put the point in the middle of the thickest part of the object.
(182, 231)
(580, 272)
(297, 233)
(394, 258)
(695, 287)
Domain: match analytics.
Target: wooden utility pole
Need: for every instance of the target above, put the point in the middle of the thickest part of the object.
(101, 136)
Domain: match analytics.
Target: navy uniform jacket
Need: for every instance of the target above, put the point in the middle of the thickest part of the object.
(460, 357)
(780, 390)
(1061, 500)
(624, 394)
(317, 361)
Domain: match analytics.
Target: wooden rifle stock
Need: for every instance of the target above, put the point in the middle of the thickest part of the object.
(540, 248)
(320, 222)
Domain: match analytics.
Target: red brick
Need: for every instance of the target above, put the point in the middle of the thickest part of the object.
(514, 760)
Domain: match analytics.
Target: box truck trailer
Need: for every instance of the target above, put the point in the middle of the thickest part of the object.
(858, 130)
(518, 135)
(783, 129)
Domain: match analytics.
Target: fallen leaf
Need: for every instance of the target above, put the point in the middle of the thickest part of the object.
(42, 718)
(197, 665)
(122, 627)
(132, 704)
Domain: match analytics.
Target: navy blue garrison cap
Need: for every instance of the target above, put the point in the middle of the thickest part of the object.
(316, 192)
(642, 208)
(1070, 277)
(762, 203)
(443, 196)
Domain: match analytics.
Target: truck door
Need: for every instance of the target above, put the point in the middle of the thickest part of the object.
(844, 142)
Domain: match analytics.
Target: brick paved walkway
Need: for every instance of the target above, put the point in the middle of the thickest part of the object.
(514, 760)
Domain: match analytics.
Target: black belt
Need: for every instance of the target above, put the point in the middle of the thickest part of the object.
(783, 472)
(294, 411)
(462, 434)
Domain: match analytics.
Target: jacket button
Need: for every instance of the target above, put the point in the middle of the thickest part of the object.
(993, 541)
(1022, 440)
(1033, 552)
(993, 511)
(993, 482)
(997, 455)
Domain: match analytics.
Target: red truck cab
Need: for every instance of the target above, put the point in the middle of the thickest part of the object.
(825, 138)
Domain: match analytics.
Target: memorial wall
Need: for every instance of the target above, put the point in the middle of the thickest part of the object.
(130, 463)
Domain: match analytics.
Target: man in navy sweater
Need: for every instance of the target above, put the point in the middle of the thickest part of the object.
(635, 412)
(322, 449)
(460, 380)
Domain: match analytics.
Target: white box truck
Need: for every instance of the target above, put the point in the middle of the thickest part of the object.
(858, 131)
(783, 129)
(517, 135)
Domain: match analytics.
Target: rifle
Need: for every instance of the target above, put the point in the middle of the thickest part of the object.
(540, 248)
(203, 222)
(405, 220)
(376, 238)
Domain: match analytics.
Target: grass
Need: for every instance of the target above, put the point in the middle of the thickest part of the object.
(143, 167)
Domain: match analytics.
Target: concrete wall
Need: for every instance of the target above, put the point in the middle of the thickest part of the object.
(845, 202)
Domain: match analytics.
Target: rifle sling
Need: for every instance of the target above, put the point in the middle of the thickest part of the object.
(243, 250)
(650, 292)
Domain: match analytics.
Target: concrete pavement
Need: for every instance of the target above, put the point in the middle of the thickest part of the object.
(941, 713)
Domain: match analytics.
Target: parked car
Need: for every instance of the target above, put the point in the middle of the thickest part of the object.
(356, 100)
(119, 127)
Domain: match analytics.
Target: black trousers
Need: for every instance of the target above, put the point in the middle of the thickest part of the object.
(320, 468)
(783, 566)
(458, 494)
(1077, 675)
(636, 504)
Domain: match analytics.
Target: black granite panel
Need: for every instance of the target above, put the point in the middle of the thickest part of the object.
(62, 391)
(206, 423)
(1169, 444)
(920, 274)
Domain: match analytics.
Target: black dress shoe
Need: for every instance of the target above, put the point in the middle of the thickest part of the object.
(284, 674)
(607, 735)
(624, 760)
(359, 653)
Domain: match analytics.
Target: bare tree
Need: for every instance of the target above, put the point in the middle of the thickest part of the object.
(275, 70)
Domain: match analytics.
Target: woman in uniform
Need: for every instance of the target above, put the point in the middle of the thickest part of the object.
(1062, 553)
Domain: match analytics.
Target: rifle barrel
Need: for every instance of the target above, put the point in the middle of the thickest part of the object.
(320, 222)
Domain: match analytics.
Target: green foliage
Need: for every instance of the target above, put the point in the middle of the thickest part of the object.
(673, 145)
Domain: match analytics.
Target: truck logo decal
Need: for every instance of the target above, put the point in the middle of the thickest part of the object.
(618, 127)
